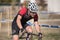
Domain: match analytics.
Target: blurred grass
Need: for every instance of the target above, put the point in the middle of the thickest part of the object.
(48, 34)
(51, 33)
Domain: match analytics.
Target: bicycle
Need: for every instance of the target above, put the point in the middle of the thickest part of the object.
(24, 32)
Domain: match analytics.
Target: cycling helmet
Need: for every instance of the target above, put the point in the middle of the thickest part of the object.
(32, 7)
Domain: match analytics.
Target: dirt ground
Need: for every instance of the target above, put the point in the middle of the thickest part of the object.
(48, 34)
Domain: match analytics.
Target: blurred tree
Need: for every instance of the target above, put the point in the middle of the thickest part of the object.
(5, 1)
(42, 4)
(8, 1)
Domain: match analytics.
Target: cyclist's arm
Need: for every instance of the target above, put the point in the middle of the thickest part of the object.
(36, 20)
(20, 14)
(19, 22)
(36, 23)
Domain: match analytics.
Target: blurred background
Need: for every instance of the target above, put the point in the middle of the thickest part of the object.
(49, 17)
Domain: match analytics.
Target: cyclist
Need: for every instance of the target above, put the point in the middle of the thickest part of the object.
(25, 14)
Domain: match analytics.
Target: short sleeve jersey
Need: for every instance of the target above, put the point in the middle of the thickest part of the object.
(25, 17)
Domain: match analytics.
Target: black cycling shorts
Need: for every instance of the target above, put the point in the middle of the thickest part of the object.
(15, 29)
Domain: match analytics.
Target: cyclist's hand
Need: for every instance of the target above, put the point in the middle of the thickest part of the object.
(22, 30)
(40, 35)
(21, 27)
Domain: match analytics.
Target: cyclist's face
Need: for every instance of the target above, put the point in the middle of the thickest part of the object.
(32, 14)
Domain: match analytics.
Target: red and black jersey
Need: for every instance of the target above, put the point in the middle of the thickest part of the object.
(25, 17)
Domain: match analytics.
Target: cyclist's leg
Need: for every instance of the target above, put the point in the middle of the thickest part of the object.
(15, 32)
(29, 31)
(15, 37)
(28, 28)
